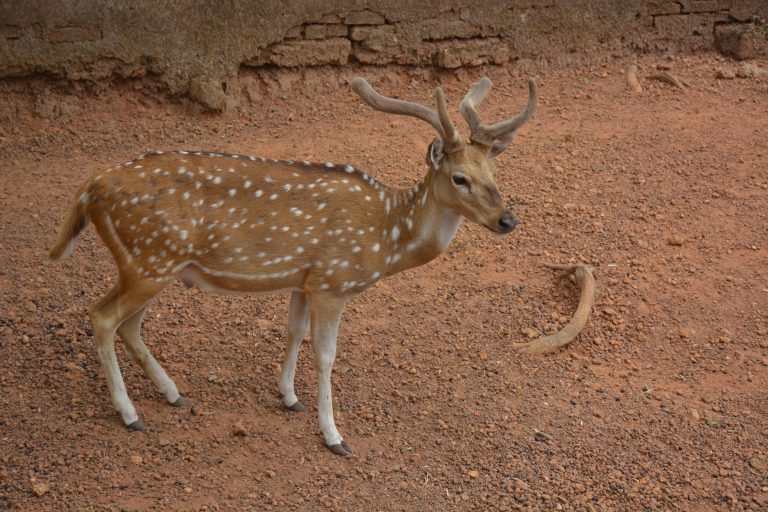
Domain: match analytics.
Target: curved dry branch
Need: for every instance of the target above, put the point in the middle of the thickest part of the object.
(586, 282)
(631, 77)
(669, 78)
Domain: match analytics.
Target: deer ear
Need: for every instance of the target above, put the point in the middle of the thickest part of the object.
(501, 144)
(435, 154)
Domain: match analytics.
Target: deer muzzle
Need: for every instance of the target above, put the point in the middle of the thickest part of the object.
(506, 222)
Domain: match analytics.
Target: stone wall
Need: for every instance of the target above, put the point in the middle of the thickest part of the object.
(197, 48)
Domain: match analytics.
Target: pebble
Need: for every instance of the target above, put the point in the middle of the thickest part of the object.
(725, 74)
(239, 429)
(750, 70)
(473, 473)
(520, 485)
(529, 333)
(675, 240)
(136, 459)
(40, 488)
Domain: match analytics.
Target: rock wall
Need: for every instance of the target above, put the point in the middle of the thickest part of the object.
(197, 48)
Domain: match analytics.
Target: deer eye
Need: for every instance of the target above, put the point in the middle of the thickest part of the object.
(459, 180)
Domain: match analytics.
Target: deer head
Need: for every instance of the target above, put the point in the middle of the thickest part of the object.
(462, 174)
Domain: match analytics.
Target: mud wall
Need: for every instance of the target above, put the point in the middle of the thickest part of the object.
(197, 48)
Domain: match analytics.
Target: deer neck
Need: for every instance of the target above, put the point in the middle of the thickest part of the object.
(417, 226)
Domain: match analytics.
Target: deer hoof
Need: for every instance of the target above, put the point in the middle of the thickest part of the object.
(137, 426)
(342, 449)
(181, 401)
(297, 407)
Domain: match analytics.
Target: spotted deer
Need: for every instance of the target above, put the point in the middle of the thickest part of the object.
(232, 223)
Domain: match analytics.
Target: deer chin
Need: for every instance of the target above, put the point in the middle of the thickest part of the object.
(487, 224)
(495, 228)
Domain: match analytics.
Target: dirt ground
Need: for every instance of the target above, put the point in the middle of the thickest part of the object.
(660, 404)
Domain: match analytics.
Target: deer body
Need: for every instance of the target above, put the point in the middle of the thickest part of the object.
(248, 224)
(233, 223)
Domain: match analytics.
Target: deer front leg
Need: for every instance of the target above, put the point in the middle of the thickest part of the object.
(298, 322)
(326, 314)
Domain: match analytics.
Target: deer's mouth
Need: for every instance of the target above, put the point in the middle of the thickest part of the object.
(503, 225)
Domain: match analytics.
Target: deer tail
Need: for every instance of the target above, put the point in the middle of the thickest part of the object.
(75, 221)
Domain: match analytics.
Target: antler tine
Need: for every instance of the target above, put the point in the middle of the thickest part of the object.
(476, 94)
(452, 139)
(504, 127)
(485, 134)
(393, 106)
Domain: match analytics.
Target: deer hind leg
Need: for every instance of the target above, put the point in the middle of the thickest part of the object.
(298, 323)
(107, 315)
(130, 332)
(325, 315)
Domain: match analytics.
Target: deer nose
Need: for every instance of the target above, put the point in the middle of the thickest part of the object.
(507, 222)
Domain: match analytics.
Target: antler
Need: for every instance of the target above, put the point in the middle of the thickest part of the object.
(440, 120)
(496, 136)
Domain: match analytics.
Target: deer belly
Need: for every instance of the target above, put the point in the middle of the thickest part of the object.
(196, 275)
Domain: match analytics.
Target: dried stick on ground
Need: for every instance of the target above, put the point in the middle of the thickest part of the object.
(665, 76)
(564, 336)
(632, 82)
